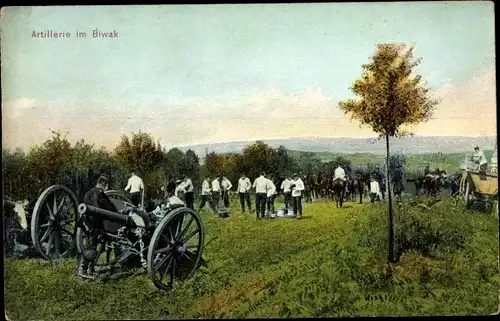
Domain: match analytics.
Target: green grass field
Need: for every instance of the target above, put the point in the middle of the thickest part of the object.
(331, 263)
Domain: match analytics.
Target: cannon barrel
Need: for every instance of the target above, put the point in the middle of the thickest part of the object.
(105, 214)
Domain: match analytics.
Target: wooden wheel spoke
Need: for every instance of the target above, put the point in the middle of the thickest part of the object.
(187, 238)
(191, 219)
(163, 260)
(162, 274)
(165, 249)
(187, 256)
(51, 214)
(172, 273)
(49, 244)
(46, 234)
(165, 239)
(45, 225)
(179, 225)
(54, 206)
(63, 202)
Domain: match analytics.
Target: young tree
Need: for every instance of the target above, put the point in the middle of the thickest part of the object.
(391, 97)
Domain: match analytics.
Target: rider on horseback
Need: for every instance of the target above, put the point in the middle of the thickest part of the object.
(339, 174)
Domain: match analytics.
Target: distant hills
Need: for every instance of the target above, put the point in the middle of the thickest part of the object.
(343, 145)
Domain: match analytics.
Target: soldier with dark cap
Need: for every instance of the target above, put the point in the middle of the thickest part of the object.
(96, 197)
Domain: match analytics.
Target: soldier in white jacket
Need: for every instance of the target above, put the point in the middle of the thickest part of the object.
(206, 190)
(225, 188)
(374, 190)
(297, 188)
(244, 187)
(287, 192)
(271, 193)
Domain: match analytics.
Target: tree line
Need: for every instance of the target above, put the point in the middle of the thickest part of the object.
(57, 161)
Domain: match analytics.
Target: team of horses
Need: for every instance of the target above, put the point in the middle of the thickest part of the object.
(317, 186)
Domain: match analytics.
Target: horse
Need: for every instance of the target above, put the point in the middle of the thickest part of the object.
(418, 184)
(432, 184)
(338, 188)
(357, 187)
(315, 185)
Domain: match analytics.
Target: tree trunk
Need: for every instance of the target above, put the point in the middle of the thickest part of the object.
(389, 196)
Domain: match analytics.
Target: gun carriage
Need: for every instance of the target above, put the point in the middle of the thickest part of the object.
(169, 240)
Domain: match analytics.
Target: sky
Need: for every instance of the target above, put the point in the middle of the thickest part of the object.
(190, 74)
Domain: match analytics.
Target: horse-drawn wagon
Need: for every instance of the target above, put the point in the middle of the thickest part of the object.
(169, 240)
(478, 190)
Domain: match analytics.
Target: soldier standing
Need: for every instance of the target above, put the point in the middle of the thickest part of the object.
(261, 186)
(226, 187)
(244, 186)
(136, 187)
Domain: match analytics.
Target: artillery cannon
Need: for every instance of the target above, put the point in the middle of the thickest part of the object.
(174, 243)
(168, 240)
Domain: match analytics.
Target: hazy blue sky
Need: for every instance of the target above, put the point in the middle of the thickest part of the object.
(229, 67)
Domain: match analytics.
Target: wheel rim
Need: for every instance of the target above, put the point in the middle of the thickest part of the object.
(119, 199)
(53, 223)
(176, 248)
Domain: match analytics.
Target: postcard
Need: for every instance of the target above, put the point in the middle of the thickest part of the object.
(249, 160)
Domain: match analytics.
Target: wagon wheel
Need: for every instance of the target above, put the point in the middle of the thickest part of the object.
(176, 247)
(53, 222)
(118, 198)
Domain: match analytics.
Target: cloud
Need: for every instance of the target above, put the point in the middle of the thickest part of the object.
(467, 109)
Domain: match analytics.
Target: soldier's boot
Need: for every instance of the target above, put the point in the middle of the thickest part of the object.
(91, 269)
(82, 270)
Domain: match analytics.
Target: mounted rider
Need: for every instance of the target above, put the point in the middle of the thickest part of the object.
(339, 174)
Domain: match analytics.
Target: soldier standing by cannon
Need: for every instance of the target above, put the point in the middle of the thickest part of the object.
(226, 187)
(96, 197)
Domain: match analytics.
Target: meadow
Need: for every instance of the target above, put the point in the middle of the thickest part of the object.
(331, 263)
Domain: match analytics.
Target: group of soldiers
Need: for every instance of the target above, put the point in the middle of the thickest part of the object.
(212, 191)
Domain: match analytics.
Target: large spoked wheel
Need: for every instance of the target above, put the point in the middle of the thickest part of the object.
(176, 248)
(119, 199)
(53, 223)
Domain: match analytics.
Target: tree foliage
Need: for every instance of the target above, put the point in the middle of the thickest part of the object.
(391, 95)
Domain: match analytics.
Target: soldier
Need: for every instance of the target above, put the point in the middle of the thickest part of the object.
(96, 197)
(297, 188)
(480, 160)
(216, 192)
(188, 192)
(287, 192)
(226, 187)
(244, 186)
(136, 187)
(206, 191)
(261, 186)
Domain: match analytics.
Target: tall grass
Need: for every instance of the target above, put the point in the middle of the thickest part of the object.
(331, 263)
